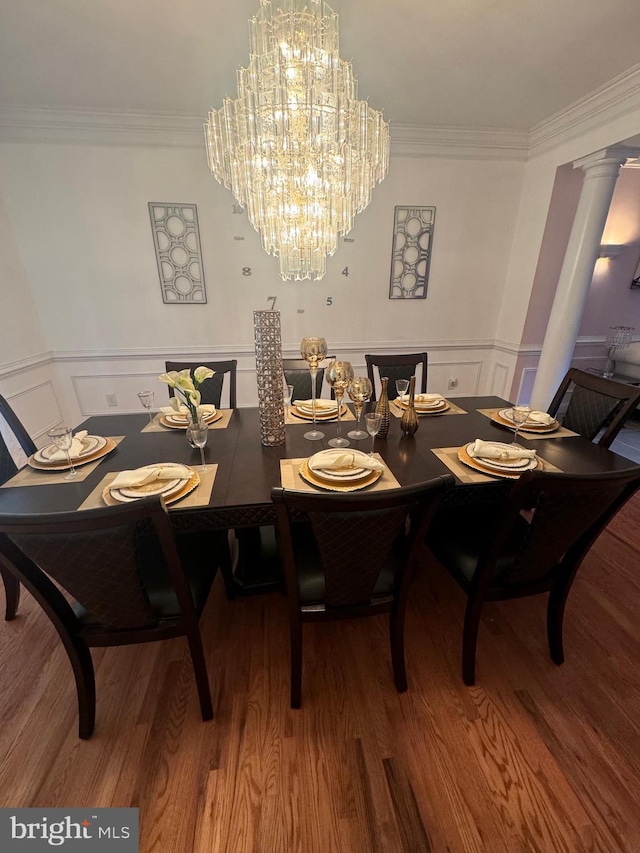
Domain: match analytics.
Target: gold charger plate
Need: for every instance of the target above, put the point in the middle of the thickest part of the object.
(329, 416)
(192, 483)
(166, 423)
(331, 485)
(470, 462)
(82, 460)
(497, 418)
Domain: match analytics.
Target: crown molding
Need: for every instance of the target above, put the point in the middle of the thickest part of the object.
(606, 103)
(467, 143)
(85, 127)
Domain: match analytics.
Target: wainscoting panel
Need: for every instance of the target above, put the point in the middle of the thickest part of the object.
(37, 407)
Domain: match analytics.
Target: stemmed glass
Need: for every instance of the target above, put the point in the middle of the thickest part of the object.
(339, 375)
(402, 386)
(287, 394)
(146, 398)
(314, 351)
(373, 420)
(359, 391)
(519, 414)
(197, 435)
(62, 438)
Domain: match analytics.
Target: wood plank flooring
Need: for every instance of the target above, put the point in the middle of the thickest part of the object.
(534, 758)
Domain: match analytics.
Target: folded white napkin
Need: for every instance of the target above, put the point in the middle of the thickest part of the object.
(541, 418)
(205, 409)
(74, 451)
(423, 398)
(321, 405)
(337, 460)
(492, 450)
(149, 474)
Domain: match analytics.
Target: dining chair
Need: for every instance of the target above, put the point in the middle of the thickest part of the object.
(354, 557)
(397, 367)
(595, 403)
(534, 545)
(210, 389)
(131, 579)
(8, 468)
(296, 373)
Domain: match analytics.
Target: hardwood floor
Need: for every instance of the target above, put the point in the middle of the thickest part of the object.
(534, 758)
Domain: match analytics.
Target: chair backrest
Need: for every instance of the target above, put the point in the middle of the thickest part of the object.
(296, 373)
(397, 367)
(358, 536)
(8, 466)
(595, 403)
(97, 556)
(211, 389)
(549, 523)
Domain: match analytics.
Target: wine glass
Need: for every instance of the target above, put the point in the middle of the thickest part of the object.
(373, 420)
(519, 415)
(314, 351)
(287, 394)
(62, 438)
(339, 374)
(146, 398)
(197, 435)
(402, 385)
(359, 391)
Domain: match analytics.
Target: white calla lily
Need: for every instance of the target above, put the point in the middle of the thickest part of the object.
(201, 373)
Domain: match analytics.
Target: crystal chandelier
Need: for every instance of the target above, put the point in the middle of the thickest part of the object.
(297, 148)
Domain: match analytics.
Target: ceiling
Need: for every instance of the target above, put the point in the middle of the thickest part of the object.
(464, 63)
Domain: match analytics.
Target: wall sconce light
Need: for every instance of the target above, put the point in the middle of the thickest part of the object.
(609, 251)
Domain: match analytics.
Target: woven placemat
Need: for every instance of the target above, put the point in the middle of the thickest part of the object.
(290, 418)
(449, 455)
(200, 496)
(398, 411)
(36, 477)
(291, 479)
(561, 432)
(156, 426)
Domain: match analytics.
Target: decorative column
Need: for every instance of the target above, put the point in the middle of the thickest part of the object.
(600, 174)
(268, 340)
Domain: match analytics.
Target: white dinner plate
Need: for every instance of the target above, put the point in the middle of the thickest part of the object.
(344, 474)
(321, 410)
(168, 488)
(90, 444)
(507, 415)
(503, 464)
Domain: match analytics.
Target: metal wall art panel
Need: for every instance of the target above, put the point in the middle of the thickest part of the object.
(411, 252)
(176, 238)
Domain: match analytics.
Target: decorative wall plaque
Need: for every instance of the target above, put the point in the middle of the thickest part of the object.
(411, 253)
(266, 325)
(177, 243)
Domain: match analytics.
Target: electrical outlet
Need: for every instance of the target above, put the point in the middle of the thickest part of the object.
(453, 383)
(112, 400)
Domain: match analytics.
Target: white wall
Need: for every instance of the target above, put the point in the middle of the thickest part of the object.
(80, 217)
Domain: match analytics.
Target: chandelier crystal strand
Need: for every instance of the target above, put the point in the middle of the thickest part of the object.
(297, 148)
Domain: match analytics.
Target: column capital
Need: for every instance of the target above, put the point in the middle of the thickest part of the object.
(606, 160)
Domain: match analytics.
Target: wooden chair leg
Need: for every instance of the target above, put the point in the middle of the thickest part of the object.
(295, 634)
(470, 641)
(555, 618)
(82, 664)
(396, 636)
(200, 671)
(11, 594)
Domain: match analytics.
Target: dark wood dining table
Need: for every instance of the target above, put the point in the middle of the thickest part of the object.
(247, 471)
